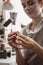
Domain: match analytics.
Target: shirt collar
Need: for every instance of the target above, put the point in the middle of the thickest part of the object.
(39, 26)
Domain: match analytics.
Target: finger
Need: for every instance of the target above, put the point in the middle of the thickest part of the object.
(12, 44)
(15, 45)
(20, 43)
(20, 47)
(12, 33)
(12, 38)
(24, 43)
(21, 39)
(22, 36)
(28, 39)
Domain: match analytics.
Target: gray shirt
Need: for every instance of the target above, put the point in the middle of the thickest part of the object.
(30, 56)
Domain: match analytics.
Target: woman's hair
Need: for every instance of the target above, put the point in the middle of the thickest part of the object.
(39, 1)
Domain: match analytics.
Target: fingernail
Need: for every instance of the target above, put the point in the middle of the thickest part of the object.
(14, 36)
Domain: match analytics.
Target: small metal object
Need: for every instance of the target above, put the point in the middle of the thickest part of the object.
(14, 38)
(7, 5)
(4, 54)
(2, 46)
(2, 31)
(13, 16)
(7, 23)
(2, 36)
(1, 18)
(9, 54)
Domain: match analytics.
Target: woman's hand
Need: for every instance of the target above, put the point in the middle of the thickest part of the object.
(12, 40)
(27, 42)
(20, 41)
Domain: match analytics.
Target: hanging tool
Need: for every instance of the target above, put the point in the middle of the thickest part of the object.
(7, 5)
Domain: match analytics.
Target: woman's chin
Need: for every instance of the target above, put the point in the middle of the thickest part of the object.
(32, 16)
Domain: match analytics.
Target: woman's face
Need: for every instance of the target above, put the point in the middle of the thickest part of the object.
(31, 7)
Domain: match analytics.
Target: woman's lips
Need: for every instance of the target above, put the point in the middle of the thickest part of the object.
(29, 12)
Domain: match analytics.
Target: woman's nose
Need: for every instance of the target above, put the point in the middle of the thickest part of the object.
(27, 7)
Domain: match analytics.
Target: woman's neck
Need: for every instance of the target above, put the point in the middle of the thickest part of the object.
(35, 22)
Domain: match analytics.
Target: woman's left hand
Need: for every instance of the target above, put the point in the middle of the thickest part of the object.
(27, 42)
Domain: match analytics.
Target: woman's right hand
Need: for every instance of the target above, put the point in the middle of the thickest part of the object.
(12, 40)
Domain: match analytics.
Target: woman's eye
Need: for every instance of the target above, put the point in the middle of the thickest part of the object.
(23, 5)
(30, 3)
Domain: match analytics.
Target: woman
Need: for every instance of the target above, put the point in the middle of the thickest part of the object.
(31, 38)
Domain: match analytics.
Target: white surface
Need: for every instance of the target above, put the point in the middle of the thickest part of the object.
(1, 4)
(8, 61)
